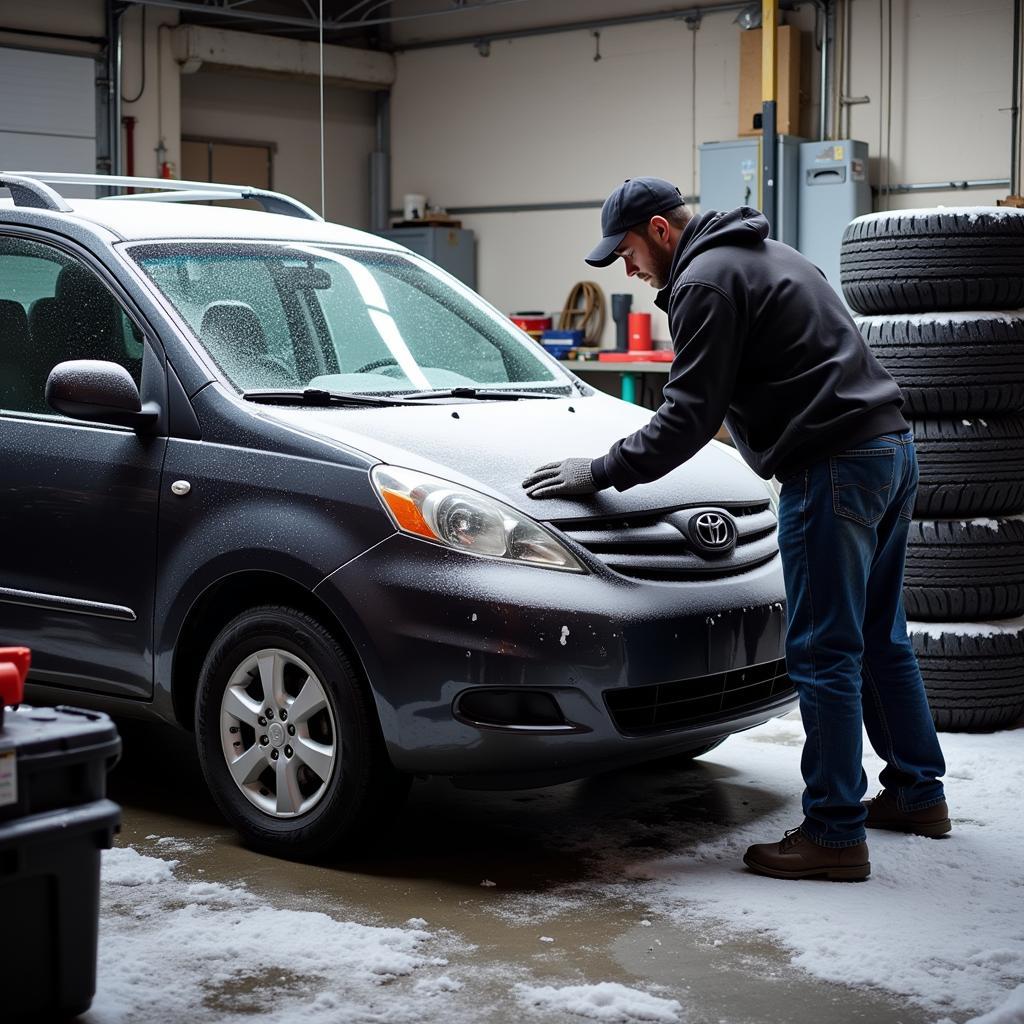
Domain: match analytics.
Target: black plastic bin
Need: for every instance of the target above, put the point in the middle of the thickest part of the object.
(52, 832)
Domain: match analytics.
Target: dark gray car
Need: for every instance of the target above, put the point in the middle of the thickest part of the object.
(260, 478)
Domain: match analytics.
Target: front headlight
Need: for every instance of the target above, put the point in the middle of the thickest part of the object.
(443, 512)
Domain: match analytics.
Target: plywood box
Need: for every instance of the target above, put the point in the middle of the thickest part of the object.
(787, 92)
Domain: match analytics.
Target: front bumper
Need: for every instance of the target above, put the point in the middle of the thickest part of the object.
(428, 623)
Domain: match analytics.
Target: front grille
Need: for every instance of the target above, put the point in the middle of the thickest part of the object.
(643, 709)
(653, 546)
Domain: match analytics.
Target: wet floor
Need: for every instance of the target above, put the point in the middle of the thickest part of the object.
(555, 858)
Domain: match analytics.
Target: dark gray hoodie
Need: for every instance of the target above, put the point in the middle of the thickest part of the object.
(762, 342)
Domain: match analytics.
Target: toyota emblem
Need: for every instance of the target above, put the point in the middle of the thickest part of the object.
(712, 532)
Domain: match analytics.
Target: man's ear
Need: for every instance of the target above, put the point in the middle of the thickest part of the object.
(660, 230)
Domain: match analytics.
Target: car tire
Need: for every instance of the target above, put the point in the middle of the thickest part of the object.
(305, 783)
(974, 680)
(952, 363)
(961, 571)
(969, 466)
(916, 261)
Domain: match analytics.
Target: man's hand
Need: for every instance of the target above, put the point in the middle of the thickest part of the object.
(561, 479)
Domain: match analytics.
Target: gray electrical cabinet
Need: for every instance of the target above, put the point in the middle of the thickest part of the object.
(730, 176)
(834, 189)
(452, 249)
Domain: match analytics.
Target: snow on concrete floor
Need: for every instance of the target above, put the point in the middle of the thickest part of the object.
(940, 924)
(171, 950)
(174, 951)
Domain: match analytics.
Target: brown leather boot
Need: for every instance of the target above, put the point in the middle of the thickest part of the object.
(884, 812)
(796, 856)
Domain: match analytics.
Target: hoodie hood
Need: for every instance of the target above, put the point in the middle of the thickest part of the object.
(743, 226)
(493, 446)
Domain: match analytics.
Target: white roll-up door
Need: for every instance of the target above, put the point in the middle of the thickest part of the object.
(48, 117)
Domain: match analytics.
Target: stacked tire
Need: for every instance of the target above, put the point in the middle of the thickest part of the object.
(939, 295)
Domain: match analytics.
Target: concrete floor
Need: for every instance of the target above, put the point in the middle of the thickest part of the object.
(550, 853)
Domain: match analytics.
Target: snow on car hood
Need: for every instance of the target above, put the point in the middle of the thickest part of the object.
(492, 446)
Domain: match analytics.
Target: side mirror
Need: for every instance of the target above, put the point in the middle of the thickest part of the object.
(100, 391)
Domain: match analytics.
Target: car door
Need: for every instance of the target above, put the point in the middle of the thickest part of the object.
(78, 500)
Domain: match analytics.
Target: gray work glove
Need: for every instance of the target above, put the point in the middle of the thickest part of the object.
(561, 479)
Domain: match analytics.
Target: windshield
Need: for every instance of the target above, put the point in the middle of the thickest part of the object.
(302, 316)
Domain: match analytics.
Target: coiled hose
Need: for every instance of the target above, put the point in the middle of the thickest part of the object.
(584, 311)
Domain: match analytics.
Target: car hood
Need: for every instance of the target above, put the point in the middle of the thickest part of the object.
(492, 446)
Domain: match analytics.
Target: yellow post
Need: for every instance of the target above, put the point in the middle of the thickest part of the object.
(769, 62)
(769, 137)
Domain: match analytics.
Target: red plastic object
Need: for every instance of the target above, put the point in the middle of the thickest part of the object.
(14, 662)
(534, 323)
(640, 332)
(651, 355)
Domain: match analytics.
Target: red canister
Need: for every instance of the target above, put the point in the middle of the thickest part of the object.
(639, 331)
(534, 322)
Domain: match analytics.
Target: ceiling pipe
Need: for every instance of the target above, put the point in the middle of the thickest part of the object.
(228, 10)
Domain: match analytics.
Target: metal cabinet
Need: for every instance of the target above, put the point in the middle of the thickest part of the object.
(730, 176)
(452, 249)
(834, 189)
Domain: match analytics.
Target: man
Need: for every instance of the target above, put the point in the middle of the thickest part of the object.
(762, 342)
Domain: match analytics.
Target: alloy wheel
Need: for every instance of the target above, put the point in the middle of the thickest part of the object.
(280, 741)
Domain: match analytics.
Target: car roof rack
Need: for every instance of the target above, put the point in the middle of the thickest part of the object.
(28, 191)
(32, 192)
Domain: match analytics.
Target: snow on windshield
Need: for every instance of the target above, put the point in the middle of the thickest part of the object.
(302, 315)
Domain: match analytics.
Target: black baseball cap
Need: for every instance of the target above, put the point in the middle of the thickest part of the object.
(634, 202)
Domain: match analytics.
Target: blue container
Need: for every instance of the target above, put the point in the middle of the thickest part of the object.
(557, 349)
(571, 338)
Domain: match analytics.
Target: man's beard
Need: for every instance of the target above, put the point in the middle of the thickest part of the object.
(661, 265)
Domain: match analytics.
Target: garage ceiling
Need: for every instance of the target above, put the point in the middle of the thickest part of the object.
(399, 22)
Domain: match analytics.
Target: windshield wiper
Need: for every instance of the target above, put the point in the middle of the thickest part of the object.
(317, 396)
(480, 394)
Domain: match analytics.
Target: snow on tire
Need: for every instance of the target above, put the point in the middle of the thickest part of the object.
(959, 569)
(970, 466)
(952, 362)
(915, 261)
(973, 672)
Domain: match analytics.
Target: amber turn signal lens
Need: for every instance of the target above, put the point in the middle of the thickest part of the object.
(406, 514)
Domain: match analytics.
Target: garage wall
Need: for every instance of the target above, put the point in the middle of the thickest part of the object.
(150, 76)
(540, 121)
(951, 74)
(232, 106)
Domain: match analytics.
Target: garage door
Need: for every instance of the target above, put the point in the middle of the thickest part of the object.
(48, 119)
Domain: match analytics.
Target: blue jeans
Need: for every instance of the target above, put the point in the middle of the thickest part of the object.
(843, 526)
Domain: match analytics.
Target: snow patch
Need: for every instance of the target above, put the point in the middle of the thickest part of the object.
(125, 866)
(1011, 1012)
(937, 630)
(607, 1001)
(435, 986)
(938, 925)
(991, 524)
(918, 319)
(174, 951)
(972, 213)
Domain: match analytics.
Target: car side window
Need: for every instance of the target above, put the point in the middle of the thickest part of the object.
(54, 308)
